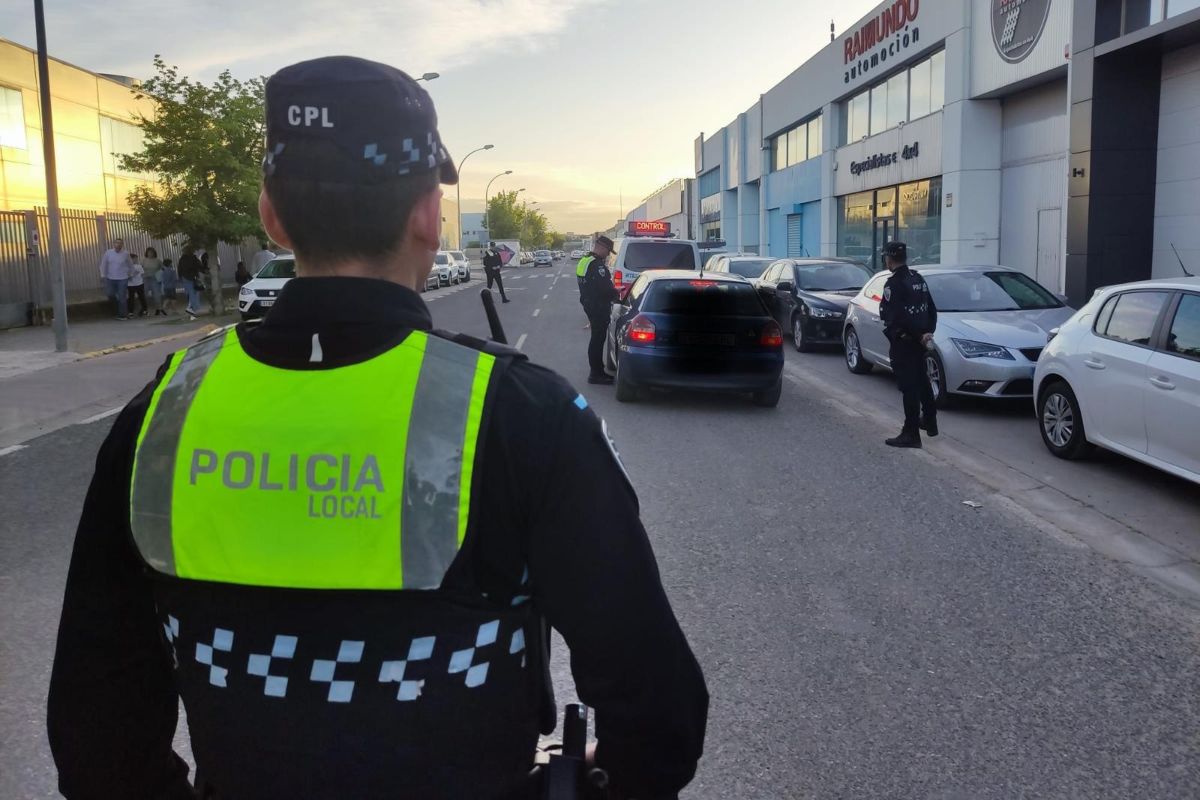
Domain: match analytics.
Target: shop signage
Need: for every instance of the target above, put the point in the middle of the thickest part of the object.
(1017, 26)
(883, 37)
(881, 160)
(645, 227)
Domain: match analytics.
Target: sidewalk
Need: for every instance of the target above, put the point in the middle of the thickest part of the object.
(24, 350)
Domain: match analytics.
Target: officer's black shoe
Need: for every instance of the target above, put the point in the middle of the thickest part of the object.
(506, 300)
(929, 425)
(603, 379)
(907, 438)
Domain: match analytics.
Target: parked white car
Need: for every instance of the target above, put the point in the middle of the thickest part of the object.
(261, 291)
(445, 268)
(462, 263)
(1124, 374)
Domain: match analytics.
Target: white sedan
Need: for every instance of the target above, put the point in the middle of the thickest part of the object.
(1124, 374)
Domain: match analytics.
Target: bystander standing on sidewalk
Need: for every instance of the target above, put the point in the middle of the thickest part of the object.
(170, 283)
(261, 258)
(242, 276)
(114, 270)
(137, 287)
(189, 274)
(152, 264)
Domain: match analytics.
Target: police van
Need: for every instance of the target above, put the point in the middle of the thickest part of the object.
(649, 245)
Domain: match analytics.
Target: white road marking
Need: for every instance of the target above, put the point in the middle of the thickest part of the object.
(537, 311)
(4, 451)
(521, 340)
(100, 416)
(545, 297)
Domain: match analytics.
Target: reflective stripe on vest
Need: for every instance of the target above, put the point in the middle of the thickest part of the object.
(584, 263)
(357, 477)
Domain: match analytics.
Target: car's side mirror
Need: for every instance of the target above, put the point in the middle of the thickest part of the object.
(784, 287)
(1062, 298)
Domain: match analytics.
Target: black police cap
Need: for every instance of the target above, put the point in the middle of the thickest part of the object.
(896, 250)
(378, 117)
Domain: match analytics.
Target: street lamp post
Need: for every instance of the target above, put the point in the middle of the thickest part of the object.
(486, 195)
(57, 281)
(458, 188)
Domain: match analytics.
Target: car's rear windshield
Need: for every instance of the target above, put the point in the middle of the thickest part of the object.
(442, 258)
(748, 267)
(832, 277)
(989, 291)
(694, 298)
(278, 268)
(641, 256)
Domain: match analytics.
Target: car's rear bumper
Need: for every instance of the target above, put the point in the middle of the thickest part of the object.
(722, 372)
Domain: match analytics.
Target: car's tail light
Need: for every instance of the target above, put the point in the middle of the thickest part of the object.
(641, 330)
(703, 284)
(772, 335)
(618, 279)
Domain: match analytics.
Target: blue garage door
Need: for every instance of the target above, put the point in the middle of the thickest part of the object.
(795, 235)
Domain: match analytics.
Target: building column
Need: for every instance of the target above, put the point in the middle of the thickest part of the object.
(831, 124)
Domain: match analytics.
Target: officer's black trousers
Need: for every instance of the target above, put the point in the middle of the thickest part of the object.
(908, 363)
(598, 320)
(493, 275)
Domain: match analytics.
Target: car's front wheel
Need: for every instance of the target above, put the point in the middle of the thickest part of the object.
(798, 337)
(856, 362)
(1061, 422)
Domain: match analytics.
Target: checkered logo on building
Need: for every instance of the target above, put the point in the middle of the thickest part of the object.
(1017, 26)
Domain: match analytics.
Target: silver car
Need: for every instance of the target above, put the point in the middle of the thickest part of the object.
(993, 323)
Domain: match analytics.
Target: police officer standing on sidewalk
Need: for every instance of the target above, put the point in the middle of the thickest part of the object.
(909, 320)
(351, 595)
(597, 294)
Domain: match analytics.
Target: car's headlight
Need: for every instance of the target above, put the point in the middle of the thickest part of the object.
(246, 292)
(971, 349)
(824, 313)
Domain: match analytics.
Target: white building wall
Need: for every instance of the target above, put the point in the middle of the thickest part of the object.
(1177, 193)
(1034, 181)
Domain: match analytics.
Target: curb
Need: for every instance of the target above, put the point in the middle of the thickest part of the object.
(122, 348)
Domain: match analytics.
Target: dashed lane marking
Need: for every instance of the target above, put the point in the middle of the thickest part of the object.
(521, 340)
(537, 311)
(545, 297)
(100, 416)
(4, 451)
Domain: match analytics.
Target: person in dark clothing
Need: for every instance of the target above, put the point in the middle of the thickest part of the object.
(492, 264)
(241, 275)
(909, 320)
(189, 270)
(597, 294)
(323, 649)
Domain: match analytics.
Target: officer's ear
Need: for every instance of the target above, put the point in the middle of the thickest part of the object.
(425, 222)
(270, 221)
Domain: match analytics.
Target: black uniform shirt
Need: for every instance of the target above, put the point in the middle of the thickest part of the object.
(907, 308)
(551, 498)
(596, 290)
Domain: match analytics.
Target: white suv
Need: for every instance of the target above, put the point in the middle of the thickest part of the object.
(1124, 374)
(636, 254)
(261, 291)
(463, 263)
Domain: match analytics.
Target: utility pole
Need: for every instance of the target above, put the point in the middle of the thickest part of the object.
(58, 288)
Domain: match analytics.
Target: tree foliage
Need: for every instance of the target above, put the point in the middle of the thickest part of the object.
(509, 219)
(204, 144)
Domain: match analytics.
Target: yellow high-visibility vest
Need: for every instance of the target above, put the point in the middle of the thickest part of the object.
(354, 477)
(584, 263)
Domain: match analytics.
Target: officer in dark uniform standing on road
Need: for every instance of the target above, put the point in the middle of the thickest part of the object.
(909, 320)
(597, 294)
(350, 593)
(492, 264)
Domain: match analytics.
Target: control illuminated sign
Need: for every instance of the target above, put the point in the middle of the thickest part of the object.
(882, 37)
(645, 227)
(1017, 26)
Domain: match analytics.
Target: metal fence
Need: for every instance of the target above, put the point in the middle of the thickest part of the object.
(24, 256)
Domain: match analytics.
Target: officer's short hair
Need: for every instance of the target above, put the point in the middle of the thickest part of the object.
(329, 220)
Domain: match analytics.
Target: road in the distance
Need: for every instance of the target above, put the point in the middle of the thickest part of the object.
(863, 633)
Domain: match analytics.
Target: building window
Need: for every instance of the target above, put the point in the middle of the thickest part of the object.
(911, 213)
(12, 119)
(908, 95)
(796, 144)
(709, 183)
(119, 138)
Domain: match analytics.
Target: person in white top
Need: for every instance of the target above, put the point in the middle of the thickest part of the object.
(260, 258)
(137, 287)
(115, 266)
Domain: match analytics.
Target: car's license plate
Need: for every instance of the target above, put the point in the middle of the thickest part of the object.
(266, 303)
(716, 339)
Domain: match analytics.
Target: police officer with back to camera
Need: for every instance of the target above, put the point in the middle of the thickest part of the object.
(492, 264)
(597, 294)
(350, 594)
(909, 320)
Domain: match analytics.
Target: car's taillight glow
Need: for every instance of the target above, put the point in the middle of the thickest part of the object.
(702, 284)
(772, 335)
(641, 330)
(618, 279)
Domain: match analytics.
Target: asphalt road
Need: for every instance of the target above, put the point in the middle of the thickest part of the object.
(863, 633)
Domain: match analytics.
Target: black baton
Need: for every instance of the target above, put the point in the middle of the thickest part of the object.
(489, 308)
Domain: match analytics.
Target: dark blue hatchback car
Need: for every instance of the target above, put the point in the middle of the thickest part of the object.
(695, 330)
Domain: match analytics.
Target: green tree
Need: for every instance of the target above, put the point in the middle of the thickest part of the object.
(534, 233)
(557, 240)
(505, 216)
(205, 146)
